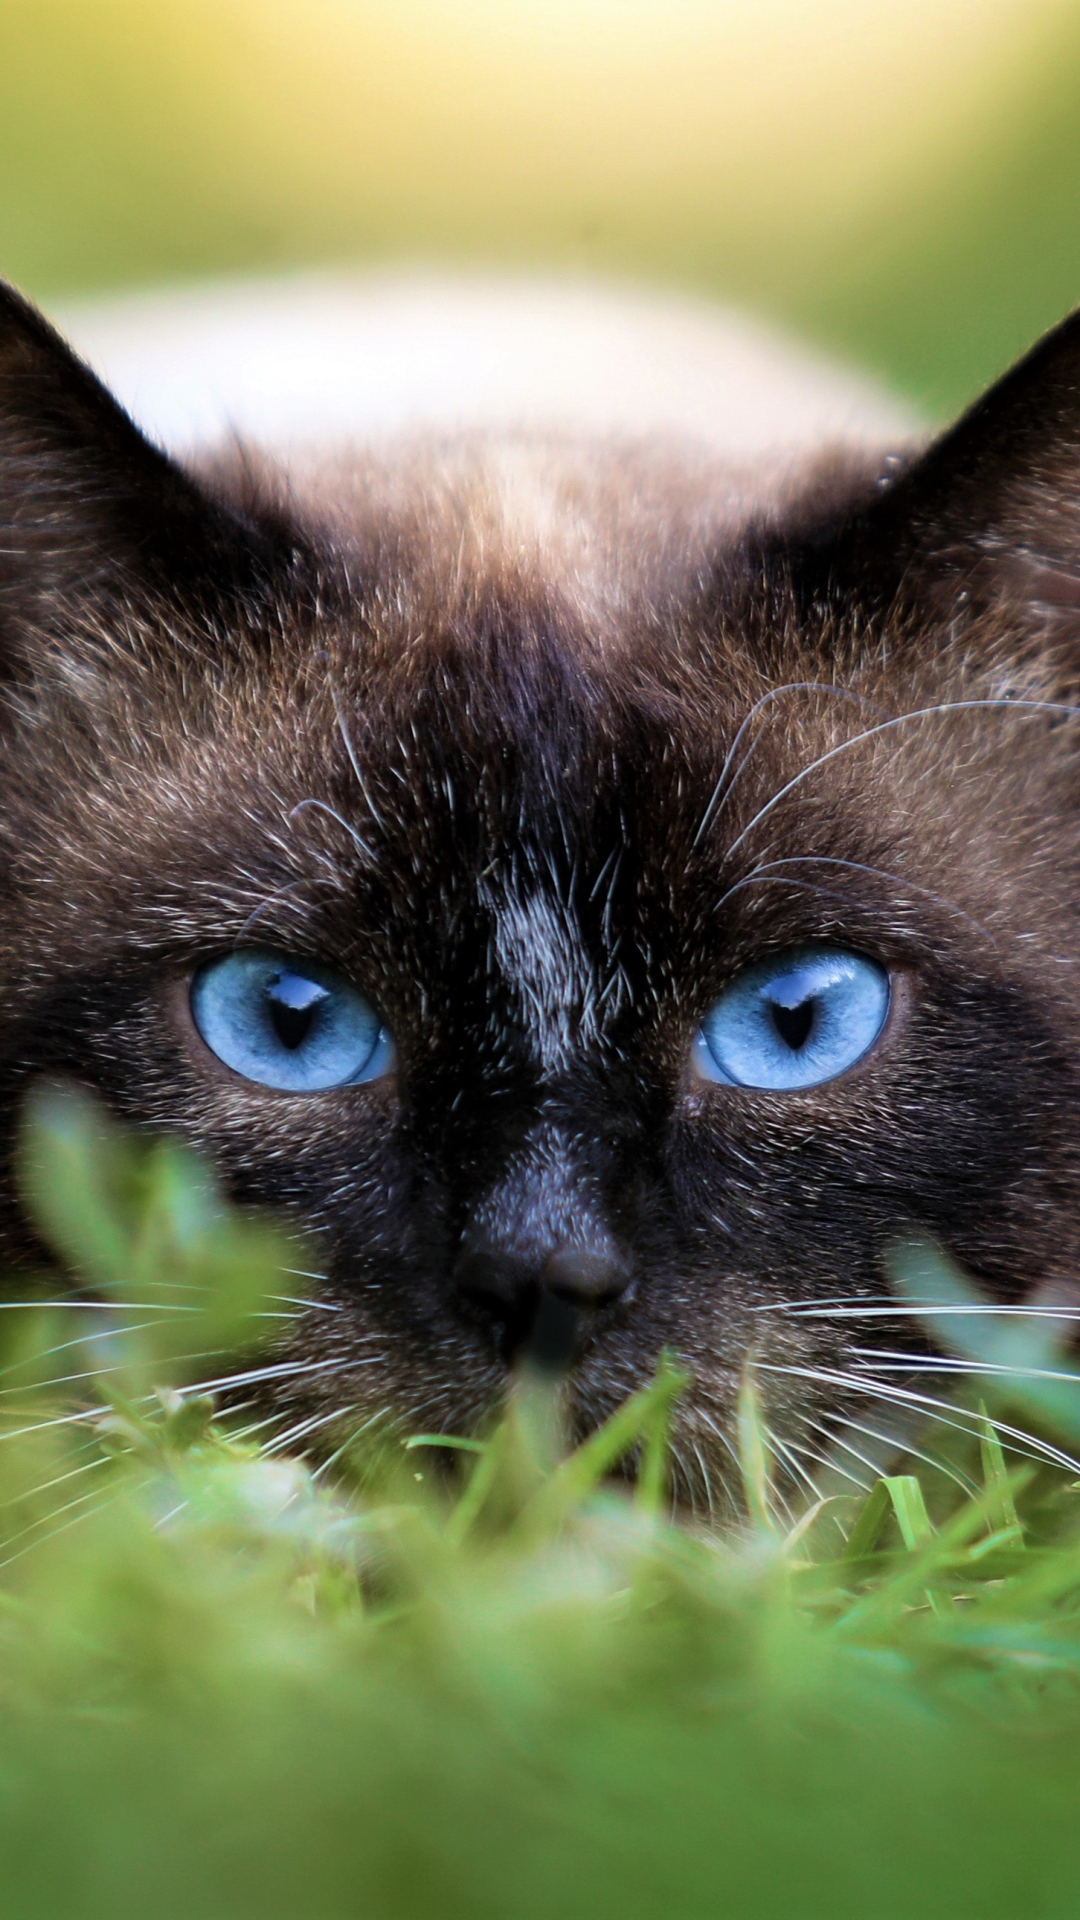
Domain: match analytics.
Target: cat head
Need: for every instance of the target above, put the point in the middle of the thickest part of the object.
(600, 921)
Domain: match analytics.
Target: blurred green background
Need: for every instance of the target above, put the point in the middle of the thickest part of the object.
(896, 179)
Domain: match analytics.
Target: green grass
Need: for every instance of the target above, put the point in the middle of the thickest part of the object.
(491, 1681)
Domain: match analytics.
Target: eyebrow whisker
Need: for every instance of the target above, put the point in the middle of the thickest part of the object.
(354, 761)
(859, 866)
(323, 806)
(719, 796)
(885, 726)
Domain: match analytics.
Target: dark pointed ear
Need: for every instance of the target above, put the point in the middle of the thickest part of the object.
(89, 510)
(990, 513)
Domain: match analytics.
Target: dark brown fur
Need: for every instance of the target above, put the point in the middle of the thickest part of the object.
(416, 712)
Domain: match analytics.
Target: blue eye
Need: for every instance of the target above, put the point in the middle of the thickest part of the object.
(795, 1021)
(288, 1024)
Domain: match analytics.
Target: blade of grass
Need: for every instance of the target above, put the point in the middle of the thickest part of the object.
(754, 1462)
(881, 1607)
(996, 1474)
(869, 1521)
(909, 1506)
(591, 1462)
(654, 1471)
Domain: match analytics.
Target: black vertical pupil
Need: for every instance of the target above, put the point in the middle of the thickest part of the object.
(793, 1024)
(293, 1003)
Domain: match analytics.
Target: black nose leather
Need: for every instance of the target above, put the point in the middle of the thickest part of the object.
(581, 1275)
(585, 1276)
(538, 1250)
(511, 1291)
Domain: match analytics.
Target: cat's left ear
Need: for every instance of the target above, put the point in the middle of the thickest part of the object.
(991, 511)
(89, 509)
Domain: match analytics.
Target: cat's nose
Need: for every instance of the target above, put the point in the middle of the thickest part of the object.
(584, 1276)
(537, 1252)
(539, 1302)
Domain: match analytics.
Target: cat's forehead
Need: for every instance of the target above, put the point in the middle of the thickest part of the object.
(536, 723)
(602, 528)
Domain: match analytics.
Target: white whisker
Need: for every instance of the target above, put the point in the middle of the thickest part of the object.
(163, 1519)
(94, 1465)
(884, 726)
(373, 1420)
(835, 1466)
(990, 1369)
(895, 1444)
(322, 806)
(943, 1410)
(857, 866)
(284, 1370)
(719, 796)
(896, 1310)
(706, 1479)
(354, 761)
(271, 900)
(301, 1430)
(782, 1451)
(86, 1505)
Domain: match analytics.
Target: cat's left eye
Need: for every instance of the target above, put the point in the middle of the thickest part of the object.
(288, 1024)
(794, 1021)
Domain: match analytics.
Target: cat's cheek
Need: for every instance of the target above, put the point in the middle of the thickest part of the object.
(700, 1094)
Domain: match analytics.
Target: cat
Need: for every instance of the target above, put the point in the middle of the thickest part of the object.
(602, 905)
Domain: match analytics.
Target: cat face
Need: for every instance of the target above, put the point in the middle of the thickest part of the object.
(601, 926)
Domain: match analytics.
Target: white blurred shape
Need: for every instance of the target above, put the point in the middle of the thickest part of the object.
(334, 357)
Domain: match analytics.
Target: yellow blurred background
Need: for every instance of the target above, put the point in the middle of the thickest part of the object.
(898, 180)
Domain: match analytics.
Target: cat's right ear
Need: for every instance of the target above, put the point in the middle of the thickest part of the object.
(90, 512)
(990, 513)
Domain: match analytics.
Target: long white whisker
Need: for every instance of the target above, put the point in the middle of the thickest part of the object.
(896, 1444)
(373, 1420)
(102, 1506)
(703, 1418)
(812, 1305)
(101, 1371)
(77, 1419)
(301, 1430)
(353, 759)
(779, 880)
(785, 1452)
(897, 1310)
(299, 1303)
(834, 1466)
(283, 1370)
(93, 1465)
(323, 806)
(718, 796)
(990, 1369)
(271, 900)
(857, 866)
(706, 1478)
(943, 1410)
(884, 726)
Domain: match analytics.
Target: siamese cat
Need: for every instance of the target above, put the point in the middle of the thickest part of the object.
(602, 895)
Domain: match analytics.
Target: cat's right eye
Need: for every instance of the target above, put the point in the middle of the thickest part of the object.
(794, 1021)
(288, 1024)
